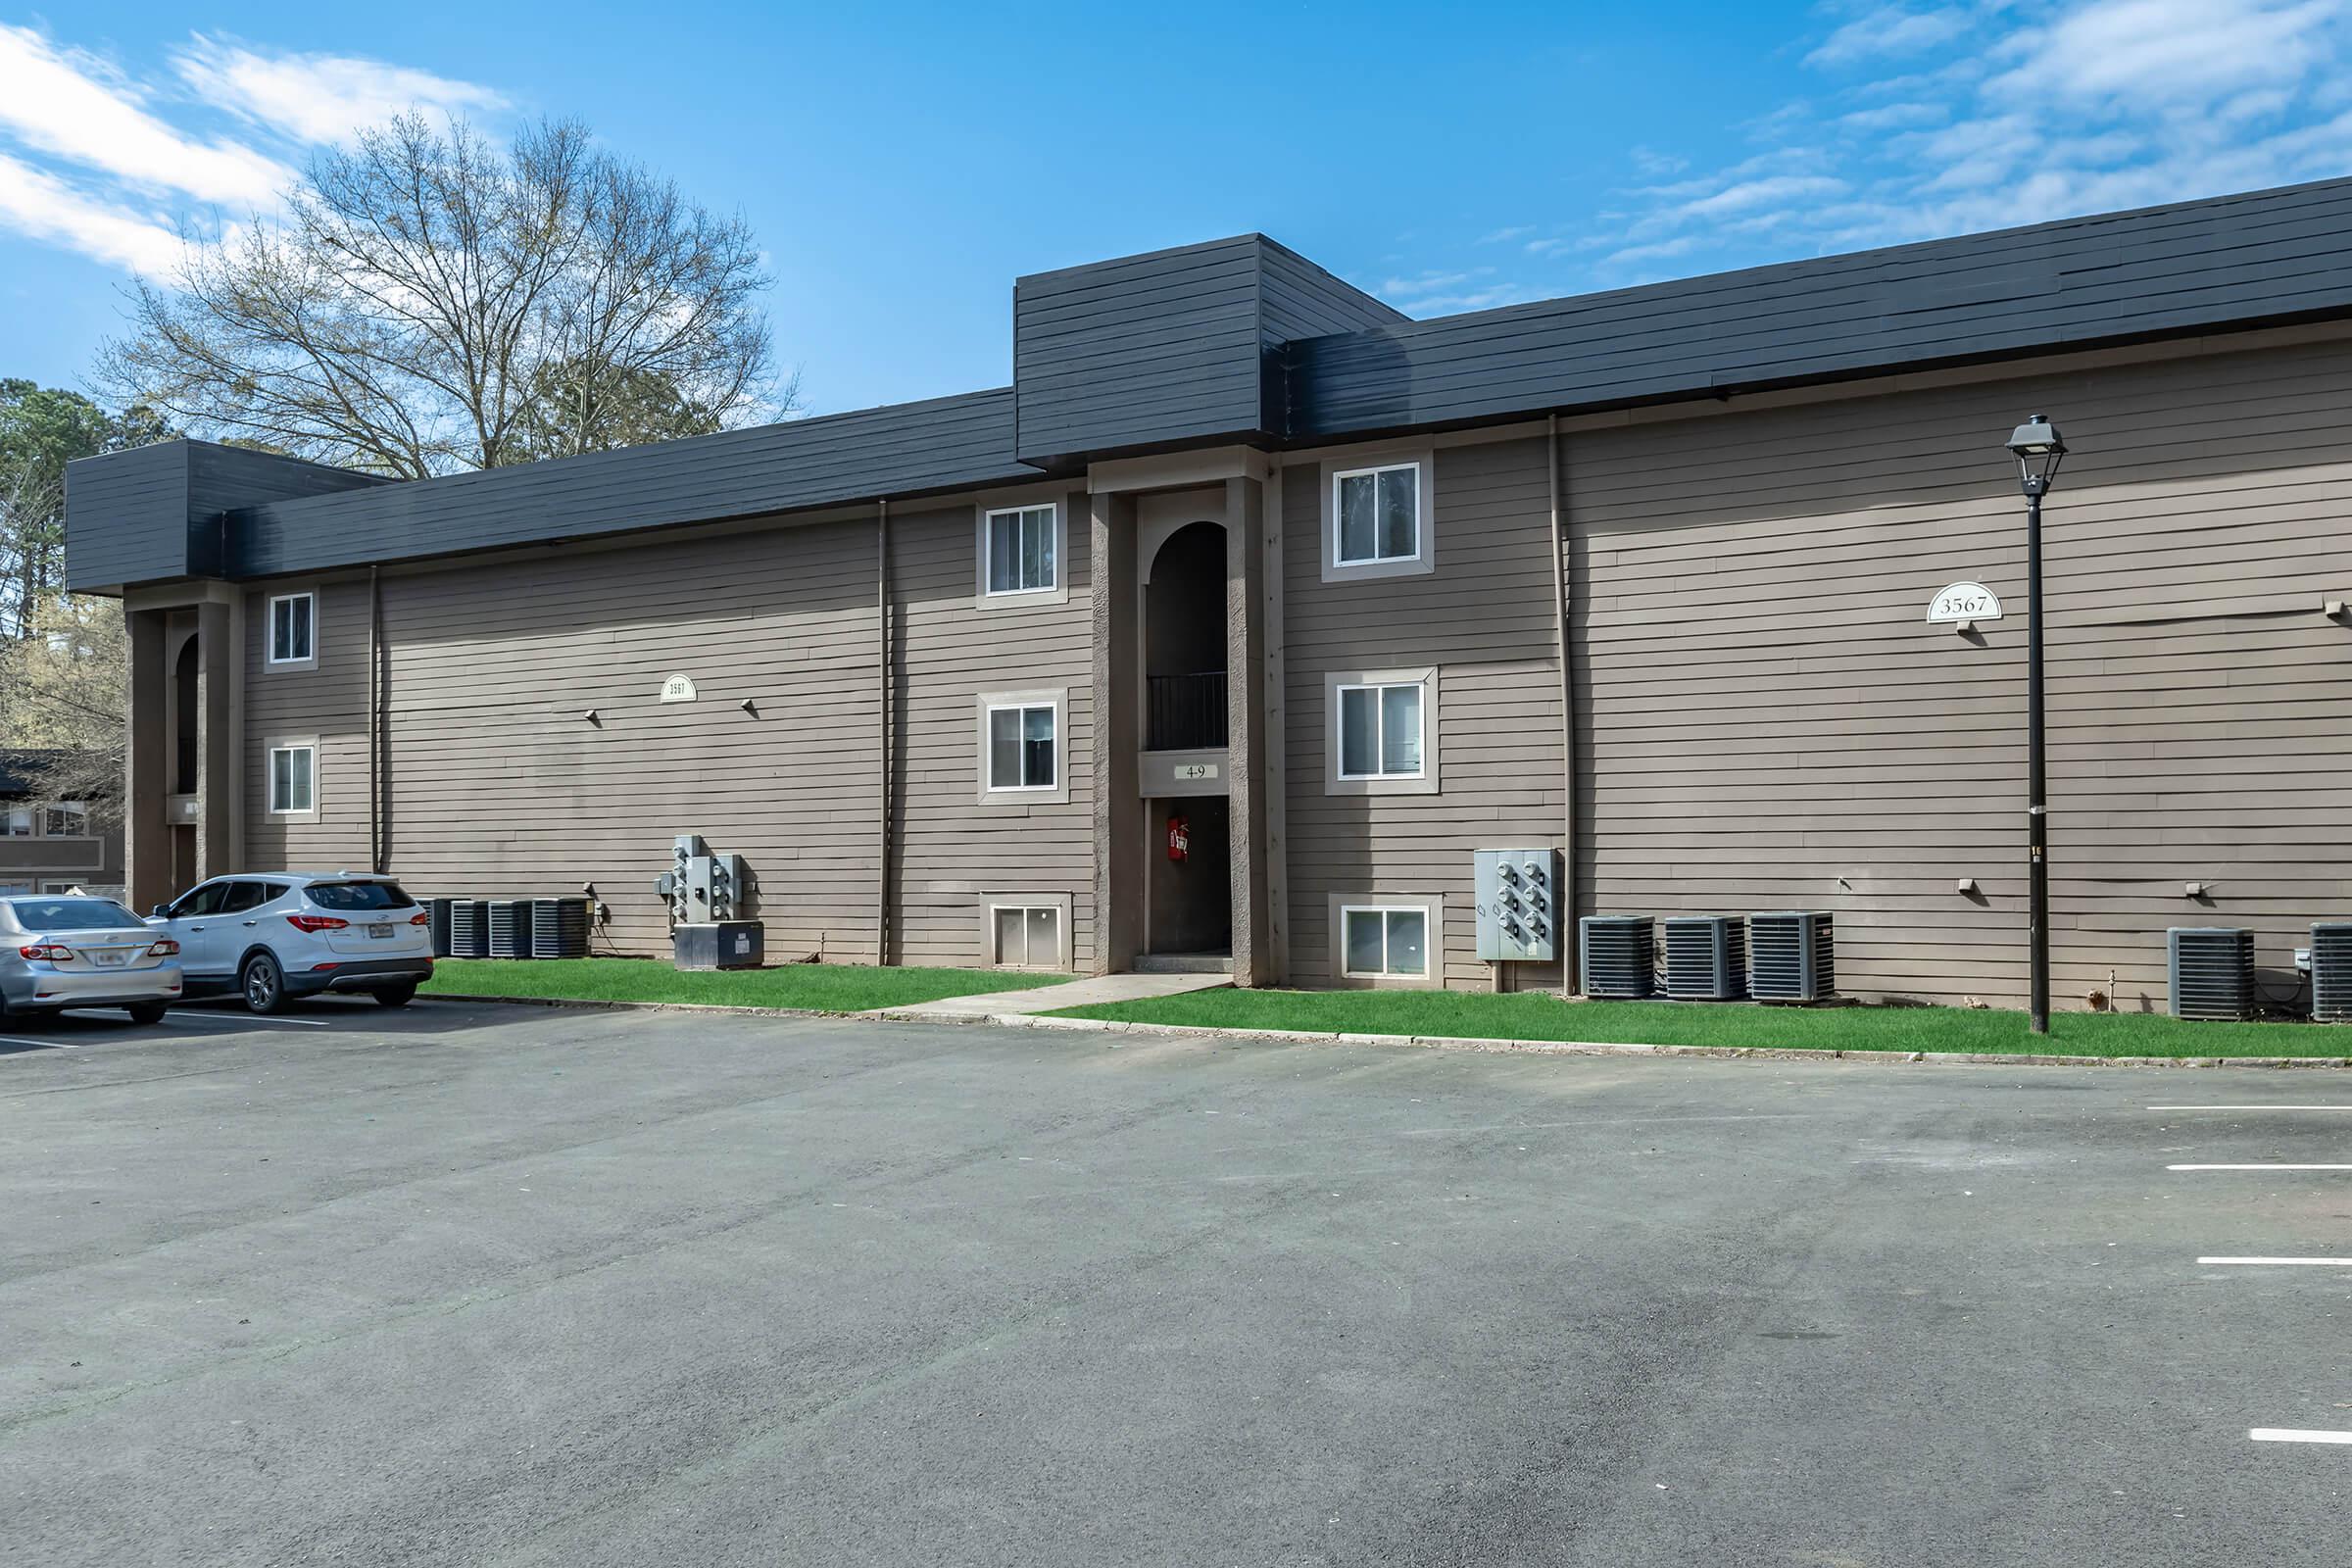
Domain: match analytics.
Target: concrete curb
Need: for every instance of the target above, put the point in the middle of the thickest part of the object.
(1548, 1048)
(638, 1006)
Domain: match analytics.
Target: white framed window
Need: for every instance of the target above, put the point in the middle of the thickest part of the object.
(1021, 753)
(61, 819)
(1387, 938)
(1384, 941)
(1023, 740)
(1378, 516)
(293, 779)
(294, 629)
(1381, 731)
(1026, 933)
(1022, 548)
(15, 821)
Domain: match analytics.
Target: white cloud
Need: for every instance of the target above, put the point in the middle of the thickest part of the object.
(2134, 53)
(1985, 114)
(317, 97)
(95, 161)
(46, 208)
(73, 106)
(1888, 30)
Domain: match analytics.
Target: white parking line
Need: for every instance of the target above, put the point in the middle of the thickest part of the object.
(239, 1022)
(2258, 1167)
(2274, 1262)
(2251, 1107)
(2292, 1435)
(18, 1040)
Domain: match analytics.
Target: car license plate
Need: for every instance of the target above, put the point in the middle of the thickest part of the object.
(380, 931)
(108, 960)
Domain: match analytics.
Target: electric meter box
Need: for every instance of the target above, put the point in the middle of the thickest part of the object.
(719, 945)
(1519, 906)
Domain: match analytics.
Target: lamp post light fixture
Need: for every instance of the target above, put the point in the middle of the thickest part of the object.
(2037, 448)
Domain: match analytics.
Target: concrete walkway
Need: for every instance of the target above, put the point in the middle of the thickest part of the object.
(1062, 993)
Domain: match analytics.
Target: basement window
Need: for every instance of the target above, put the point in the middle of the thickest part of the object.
(1026, 936)
(293, 629)
(1384, 941)
(293, 780)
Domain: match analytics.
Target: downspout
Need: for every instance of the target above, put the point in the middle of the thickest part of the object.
(1569, 931)
(375, 720)
(882, 730)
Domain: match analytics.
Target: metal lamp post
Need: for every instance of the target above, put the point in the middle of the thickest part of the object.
(2037, 448)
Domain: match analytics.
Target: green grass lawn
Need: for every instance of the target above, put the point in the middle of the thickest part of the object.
(821, 987)
(1528, 1015)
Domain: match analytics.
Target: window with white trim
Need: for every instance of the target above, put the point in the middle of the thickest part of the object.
(1026, 936)
(1382, 731)
(293, 779)
(1376, 515)
(1023, 746)
(61, 820)
(1022, 549)
(1385, 941)
(294, 629)
(15, 821)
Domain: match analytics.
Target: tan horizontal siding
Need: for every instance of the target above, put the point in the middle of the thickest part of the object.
(1485, 619)
(954, 849)
(1769, 723)
(496, 783)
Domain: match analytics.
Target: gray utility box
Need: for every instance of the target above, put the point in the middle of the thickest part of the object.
(1519, 906)
(718, 945)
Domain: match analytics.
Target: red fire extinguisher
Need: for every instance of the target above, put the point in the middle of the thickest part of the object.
(1180, 837)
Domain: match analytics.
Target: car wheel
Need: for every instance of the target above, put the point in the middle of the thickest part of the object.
(146, 1014)
(394, 996)
(265, 984)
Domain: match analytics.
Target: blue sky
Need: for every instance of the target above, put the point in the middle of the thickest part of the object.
(902, 164)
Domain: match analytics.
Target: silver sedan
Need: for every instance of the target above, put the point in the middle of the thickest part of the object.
(60, 951)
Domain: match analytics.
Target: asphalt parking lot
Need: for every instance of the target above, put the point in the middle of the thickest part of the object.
(471, 1283)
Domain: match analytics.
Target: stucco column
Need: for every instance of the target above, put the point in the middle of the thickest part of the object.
(146, 835)
(1246, 742)
(1118, 735)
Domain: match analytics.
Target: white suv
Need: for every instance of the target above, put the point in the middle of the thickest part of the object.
(281, 935)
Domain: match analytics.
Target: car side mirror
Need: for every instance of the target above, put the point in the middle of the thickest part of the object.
(162, 912)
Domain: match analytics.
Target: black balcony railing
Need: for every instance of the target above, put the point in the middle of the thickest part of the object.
(1187, 712)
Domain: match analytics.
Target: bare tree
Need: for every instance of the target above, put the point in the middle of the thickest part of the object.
(63, 693)
(431, 302)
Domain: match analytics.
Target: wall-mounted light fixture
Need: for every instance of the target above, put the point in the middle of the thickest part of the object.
(749, 706)
(591, 717)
